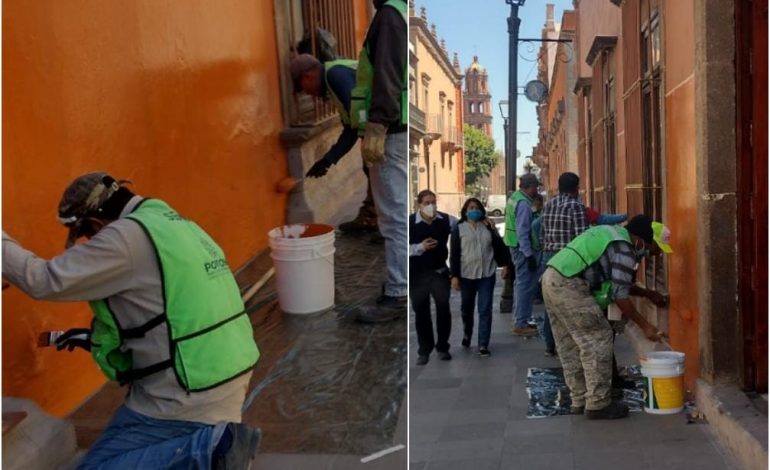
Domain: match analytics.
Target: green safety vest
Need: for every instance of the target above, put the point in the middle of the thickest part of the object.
(585, 250)
(511, 237)
(361, 97)
(342, 110)
(210, 334)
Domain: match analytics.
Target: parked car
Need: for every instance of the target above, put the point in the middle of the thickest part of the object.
(496, 205)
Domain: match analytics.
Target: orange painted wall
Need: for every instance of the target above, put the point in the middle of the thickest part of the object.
(680, 192)
(181, 97)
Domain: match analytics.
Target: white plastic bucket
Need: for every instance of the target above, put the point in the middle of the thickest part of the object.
(663, 373)
(303, 256)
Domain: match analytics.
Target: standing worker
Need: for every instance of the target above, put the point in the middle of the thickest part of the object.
(380, 107)
(518, 238)
(563, 219)
(603, 259)
(334, 81)
(168, 321)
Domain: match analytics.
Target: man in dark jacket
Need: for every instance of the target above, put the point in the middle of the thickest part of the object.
(429, 232)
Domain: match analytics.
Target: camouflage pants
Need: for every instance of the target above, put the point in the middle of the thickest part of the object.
(583, 339)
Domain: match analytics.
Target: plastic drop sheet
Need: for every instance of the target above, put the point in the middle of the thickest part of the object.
(549, 394)
(326, 384)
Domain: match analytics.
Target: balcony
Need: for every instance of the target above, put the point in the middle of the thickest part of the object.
(434, 125)
(451, 141)
(416, 120)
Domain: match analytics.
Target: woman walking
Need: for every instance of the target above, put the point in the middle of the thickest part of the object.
(476, 249)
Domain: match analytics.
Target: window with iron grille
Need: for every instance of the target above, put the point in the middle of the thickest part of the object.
(325, 29)
(608, 81)
(654, 270)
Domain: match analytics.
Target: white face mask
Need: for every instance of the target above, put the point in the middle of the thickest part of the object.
(429, 210)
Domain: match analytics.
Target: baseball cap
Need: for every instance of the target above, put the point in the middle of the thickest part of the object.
(84, 197)
(528, 180)
(662, 236)
(641, 226)
(298, 66)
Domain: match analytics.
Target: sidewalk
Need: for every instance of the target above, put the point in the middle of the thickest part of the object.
(470, 412)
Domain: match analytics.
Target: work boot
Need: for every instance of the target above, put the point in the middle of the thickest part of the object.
(365, 221)
(614, 410)
(621, 383)
(526, 331)
(577, 410)
(444, 355)
(386, 309)
(245, 442)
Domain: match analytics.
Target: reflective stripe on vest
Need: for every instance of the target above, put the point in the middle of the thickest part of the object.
(361, 97)
(211, 340)
(586, 249)
(511, 238)
(342, 110)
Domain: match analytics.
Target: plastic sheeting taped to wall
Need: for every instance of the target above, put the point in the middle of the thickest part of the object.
(327, 384)
(550, 396)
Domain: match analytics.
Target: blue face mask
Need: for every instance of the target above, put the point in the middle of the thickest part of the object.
(474, 215)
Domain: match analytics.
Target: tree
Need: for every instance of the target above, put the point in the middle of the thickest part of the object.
(480, 157)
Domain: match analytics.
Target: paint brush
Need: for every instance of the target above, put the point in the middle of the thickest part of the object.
(48, 338)
(287, 184)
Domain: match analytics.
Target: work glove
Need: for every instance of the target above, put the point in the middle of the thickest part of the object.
(319, 169)
(532, 263)
(373, 146)
(74, 338)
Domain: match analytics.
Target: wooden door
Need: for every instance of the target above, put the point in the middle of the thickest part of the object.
(751, 128)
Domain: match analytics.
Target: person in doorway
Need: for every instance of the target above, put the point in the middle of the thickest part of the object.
(429, 232)
(475, 250)
(518, 233)
(334, 81)
(380, 110)
(603, 259)
(162, 295)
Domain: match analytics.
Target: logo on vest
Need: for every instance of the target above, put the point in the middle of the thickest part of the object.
(173, 216)
(216, 267)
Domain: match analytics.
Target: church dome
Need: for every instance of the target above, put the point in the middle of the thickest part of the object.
(476, 66)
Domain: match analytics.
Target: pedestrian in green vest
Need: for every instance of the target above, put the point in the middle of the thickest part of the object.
(599, 263)
(334, 81)
(168, 321)
(518, 238)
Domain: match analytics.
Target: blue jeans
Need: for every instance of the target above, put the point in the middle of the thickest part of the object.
(485, 288)
(133, 440)
(550, 344)
(389, 188)
(524, 289)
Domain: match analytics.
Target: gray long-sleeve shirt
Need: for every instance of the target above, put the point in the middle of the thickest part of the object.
(119, 263)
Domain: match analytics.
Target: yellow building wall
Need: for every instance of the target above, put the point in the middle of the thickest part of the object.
(181, 97)
(444, 178)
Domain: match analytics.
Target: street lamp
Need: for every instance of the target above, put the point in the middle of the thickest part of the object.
(504, 112)
(513, 77)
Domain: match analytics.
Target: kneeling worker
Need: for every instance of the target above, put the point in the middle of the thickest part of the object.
(168, 321)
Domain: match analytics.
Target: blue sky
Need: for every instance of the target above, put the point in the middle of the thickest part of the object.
(480, 27)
